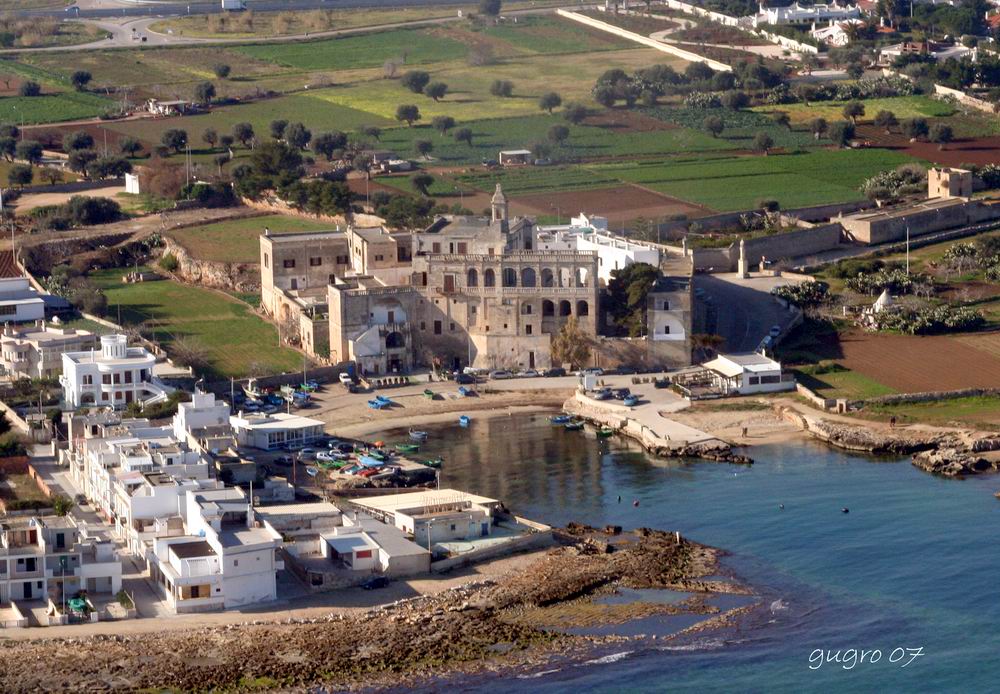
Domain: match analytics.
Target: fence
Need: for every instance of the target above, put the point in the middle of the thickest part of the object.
(645, 41)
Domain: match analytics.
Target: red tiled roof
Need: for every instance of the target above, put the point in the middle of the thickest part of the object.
(8, 267)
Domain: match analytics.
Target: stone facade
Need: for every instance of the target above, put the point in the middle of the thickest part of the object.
(949, 183)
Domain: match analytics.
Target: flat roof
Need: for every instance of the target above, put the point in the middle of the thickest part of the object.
(194, 548)
(895, 211)
(276, 421)
(734, 364)
(315, 508)
(350, 542)
(430, 497)
(288, 237)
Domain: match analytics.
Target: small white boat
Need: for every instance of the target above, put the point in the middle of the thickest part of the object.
(312, 471)
(417, 435)
(465, 420)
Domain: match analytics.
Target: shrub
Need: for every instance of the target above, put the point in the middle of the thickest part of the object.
(804, 295)
(169, 262)
(930, 321)
(702, 100)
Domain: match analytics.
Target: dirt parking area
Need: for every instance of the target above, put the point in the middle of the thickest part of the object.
(620, 204)
(33, 200)
(913, 364)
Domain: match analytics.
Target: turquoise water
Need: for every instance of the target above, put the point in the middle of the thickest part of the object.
(915, 564)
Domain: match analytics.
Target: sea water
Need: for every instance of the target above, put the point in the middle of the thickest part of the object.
(899, 594)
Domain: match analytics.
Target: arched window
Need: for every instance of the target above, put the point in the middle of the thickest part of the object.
(579, 278)
(489, 278)
(666, 305)
(472, 278)
(394, 340)
(547, 278)
(565, 309)
(526, 309)
(509, 277)
(548, 308)
(528, 277)
(582, 309)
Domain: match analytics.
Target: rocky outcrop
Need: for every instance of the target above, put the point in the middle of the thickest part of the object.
(243, 277)
(717, 450)
(953, 462)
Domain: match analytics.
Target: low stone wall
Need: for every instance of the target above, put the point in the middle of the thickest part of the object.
(815, 399)
(19, 620)
(34, 474)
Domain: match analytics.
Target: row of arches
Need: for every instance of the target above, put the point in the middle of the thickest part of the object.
(565, 308)
(529, 278)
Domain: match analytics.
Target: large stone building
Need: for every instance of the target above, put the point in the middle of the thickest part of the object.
(486, 291)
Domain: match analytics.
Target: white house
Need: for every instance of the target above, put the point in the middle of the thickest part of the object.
(19, 301)
(223, 560)
(836, 33)
(589, 234)
(49, 557)
(745, 374)
(804, 14)
(275, 431)
(434, 515)
(175, 107)
(203, 423)
(36, 351)
(113, 377)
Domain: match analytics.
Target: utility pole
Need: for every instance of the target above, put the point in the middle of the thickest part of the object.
(907, 250)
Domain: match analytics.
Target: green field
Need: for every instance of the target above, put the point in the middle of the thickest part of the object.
(525, 181)
(727, 183)
(52, 108)
(842, 384)
(236, 241)
(234, 337)
(311, 108)
(740, 127)
(553, 35)
(585, 141)
(967, 412)
(901, 106)
(412, 46)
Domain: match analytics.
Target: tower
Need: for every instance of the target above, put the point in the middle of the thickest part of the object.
(498, 205)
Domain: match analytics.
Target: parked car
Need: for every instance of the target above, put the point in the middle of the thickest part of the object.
(530, 373)
(775, 330)
(661, 383)
(602, 394)
(500, 375)
(621, 393)
(374, 583)
(595, 370)
(80, 499)
(293, 447)
(555, 371)
(284, 460)
(465, 379)
(345, 378)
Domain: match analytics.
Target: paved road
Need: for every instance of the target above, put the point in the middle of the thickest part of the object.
(742, 312)
(174, 9)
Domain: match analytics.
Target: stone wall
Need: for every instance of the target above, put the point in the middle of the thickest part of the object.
(243, 277)
(931, 396)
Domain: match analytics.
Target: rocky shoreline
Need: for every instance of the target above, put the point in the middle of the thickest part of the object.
(476, 627)
(953, 453)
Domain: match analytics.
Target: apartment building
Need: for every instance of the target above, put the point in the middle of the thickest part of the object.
(35, 351)
(224, 558)
(47, 557)
(114, 376)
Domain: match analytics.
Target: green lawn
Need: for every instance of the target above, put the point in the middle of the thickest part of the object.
(236, 241)
(52, 108)
(524, 181)
(738, 182)
(554, 35)
(843, 384)
(416, 46)
(235, 338)
(740, 127)
(971, 411)
(312, 109)
(901, 106)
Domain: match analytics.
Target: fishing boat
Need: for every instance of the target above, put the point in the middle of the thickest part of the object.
(370, 461)
(435, 462)
(407, 447)
(312, 471)
(252, 390)
(465, 420)
(560, 419)
(429, 394)
(417, 435)
(575, 425)
(605, 432)
(376, 404)
(384, 400)
(631, 401)
(463, 391)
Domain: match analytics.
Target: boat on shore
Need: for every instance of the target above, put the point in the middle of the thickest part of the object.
(465, 420)
(407, 447)
(429, 394)
(418, 436)
(605, 432)
(312, 471)
(574, 425)
(433, 462)
(560, 419)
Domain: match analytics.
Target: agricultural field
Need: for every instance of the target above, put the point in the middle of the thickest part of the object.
(235, 241)
(533, 179)
(836, 381)
(416, 46)
(553, 35)
(52, 108)
(982, 411)
(469, 98)
(902, 106)
(584, 142)
(733, 182)
(171, 310)
(740, 127)
(311, 108)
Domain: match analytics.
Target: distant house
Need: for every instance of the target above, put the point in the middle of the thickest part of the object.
(177, 107)
(936, 51)
(514, 157)
(746, 374)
